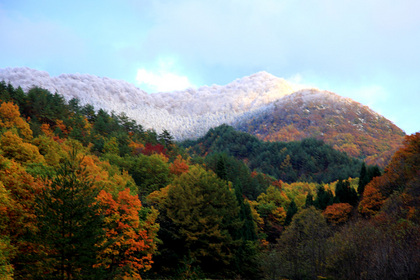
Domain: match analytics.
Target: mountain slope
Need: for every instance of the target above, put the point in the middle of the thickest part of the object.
(341, 122)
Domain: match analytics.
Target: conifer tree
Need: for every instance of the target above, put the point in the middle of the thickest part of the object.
(323, 198)
(345, 193)
(309, 200)
(363, 179)
(69, 224)
(291, 211)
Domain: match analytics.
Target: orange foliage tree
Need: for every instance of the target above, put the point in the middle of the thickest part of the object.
(179, 166)
(130, 238)
(337, 213)
(400, 175)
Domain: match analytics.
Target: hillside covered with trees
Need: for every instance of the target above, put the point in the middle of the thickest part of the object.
(90, 194)
(346, 125)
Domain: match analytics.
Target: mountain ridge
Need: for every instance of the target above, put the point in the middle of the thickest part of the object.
(261, 104)
(186, 114)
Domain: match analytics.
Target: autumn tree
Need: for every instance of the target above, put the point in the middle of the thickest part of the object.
(179, 166)
(16, 148)
(338, 213)
(10, 117)
(18, 224)
(7, 250)
(401, 176)
(130, 235)
(270, 207)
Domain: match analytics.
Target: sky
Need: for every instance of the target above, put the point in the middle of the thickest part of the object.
(368, 50)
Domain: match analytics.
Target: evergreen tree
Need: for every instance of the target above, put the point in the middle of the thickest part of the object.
(366, 175)
(345, 193)
(291, 211)
(309, 200)
(323, 198)
(166, 139)
(363, 179)
(221, 169)
(69, 224)
(373, 171)
(89, 112)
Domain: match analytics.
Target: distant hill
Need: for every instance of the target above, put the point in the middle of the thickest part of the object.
(261, 104)
(308, 160)
(346, 125)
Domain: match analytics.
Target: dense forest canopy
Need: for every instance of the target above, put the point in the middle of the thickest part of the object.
(307, 160)
(90, 194)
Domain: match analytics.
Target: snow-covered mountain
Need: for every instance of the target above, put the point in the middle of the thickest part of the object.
(186, 114)
(261, 104)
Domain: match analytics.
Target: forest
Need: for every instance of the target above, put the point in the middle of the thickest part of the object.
(91, 194)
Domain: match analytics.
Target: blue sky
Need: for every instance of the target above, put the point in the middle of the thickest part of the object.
(367, 50)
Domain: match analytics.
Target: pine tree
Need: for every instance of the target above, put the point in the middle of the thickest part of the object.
(345, 193)
(309, 200)
(363, 179)
(323, 198)
(69, 224)
(221, 169)
(291, 211)
(166, 139)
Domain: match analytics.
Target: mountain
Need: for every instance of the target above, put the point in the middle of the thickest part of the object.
(269, 107)
(185, 114)
(341, 122)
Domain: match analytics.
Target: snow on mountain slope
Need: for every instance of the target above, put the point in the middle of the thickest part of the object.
(186, 114)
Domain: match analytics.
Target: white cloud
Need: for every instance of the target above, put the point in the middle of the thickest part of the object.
(162, 77)
(161, 81)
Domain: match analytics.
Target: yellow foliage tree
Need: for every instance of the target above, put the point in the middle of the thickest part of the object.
(13, 147)
(10, 117)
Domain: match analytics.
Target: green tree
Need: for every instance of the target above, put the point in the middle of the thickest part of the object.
(323, 198)
(309, 200)
(69, 224)
(301, 249)
(291, 211)
(205, 214)
(363, 179)
(150, 172)
(345, 193)
(166, 139)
